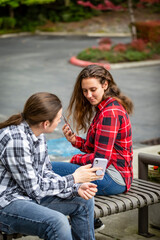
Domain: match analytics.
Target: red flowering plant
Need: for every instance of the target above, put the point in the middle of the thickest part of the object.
(120, 47)
(138, 44)
(137, 50)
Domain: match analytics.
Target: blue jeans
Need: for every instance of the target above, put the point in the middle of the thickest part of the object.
(47, 220)
(107, 186)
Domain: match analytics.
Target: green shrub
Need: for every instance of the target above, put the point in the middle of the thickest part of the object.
(112, 56)
(92, 55)
(1, 22)
(132, 55)
(76, 13)
(8, 23)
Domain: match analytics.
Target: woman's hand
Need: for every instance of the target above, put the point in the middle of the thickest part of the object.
(87, 190)
(86, 174)
(70, 136)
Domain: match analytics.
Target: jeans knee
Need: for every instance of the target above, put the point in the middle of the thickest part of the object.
(57, 229)
(90, 204)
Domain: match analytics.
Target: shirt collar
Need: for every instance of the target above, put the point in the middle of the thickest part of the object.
(104, 103)
(29, 131)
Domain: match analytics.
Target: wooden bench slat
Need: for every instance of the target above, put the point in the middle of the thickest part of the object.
(149, 193)
(140, 201)
(134, 201)
(147, 182)
(153, 192)
(127, 203)
(102, 209)
(146, 198)
(111, 204)
(119, 204)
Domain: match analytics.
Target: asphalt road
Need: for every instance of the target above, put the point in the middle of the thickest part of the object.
(41, 63)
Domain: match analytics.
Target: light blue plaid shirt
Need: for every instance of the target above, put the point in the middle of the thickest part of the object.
(25, 168)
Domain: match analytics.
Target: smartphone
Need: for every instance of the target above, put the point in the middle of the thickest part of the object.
(67, 123)
(100, 162)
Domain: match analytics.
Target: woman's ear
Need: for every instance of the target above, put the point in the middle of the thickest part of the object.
(105, 85)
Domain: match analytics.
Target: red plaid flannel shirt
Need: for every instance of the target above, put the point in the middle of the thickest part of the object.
(109, 136)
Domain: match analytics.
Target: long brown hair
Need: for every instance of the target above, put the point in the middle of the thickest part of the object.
(80, 106)
(38, 108)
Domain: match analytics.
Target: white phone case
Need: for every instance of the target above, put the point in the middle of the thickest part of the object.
(100, 162)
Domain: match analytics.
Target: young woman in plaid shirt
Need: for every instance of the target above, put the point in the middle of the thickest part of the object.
(97, 105)
(33, 199)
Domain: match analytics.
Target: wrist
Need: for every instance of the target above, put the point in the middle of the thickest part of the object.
(75, 177)
(73, 140)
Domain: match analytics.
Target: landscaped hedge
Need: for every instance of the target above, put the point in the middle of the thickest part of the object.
(149, 31)
(137, 50)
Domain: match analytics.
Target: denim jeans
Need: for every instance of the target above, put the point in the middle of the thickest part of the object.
(107, 186)
(47, 220)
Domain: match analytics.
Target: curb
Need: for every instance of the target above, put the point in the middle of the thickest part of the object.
(135, 64)
(80, 34)
(73, 60)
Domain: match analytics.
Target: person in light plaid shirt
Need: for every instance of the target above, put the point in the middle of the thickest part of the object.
(33, 199)
(97, 105)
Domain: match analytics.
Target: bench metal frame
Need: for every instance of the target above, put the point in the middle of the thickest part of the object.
(142, 194)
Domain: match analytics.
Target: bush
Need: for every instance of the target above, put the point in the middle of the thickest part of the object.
(138, 45)
(148, 31)
(132, 55)
(120, 47)
(8, 23)
(138, 50)
(92, 55)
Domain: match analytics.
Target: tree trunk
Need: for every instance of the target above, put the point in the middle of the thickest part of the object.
(67, 3)
(132, 19)
(11, 12)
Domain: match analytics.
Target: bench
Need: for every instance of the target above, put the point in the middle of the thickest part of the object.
(142, 194)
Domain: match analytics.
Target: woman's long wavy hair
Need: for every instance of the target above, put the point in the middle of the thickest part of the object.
(79, 107)
(38, 108)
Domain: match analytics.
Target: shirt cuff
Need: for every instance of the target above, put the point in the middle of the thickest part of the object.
(75, 189)
(69, 180)
(78, 141)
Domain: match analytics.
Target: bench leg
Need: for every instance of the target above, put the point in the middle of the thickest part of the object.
(143, 222)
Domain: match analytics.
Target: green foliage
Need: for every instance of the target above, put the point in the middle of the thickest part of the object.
(17, 3)
(92, 55)
(98, 55)
(12, 3)
(132, 55)
(30, 2)
(7, 23)
(30, 24)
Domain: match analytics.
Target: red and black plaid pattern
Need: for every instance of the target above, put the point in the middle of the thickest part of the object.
(109, 136)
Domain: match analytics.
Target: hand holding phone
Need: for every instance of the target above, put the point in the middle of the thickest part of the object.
(67, 123)
(100, 162)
